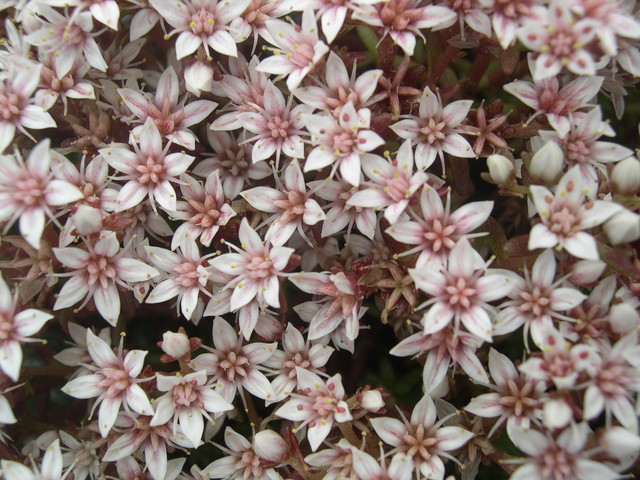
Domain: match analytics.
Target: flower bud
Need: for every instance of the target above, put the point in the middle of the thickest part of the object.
(546, 164)
(371, 400)
(198, 76)
(586, 272)
(269, 445)
(501, 169)
(619, 442)
(87, 220)
(623, 227)
(623, 318)
(175, 344)
(626, 176)
(556, 413)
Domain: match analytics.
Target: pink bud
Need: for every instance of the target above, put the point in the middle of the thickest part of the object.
(501, 169)
(269, 445)
(371, 400)
(623, 227)
(623, 318)
(87, 220)
(175, 345)
(626, 176)
(556, 413)
(620, 442)
(586, 272)
(546, 164)
(197, 77)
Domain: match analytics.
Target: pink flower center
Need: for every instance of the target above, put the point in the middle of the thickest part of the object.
(203, 22)
(557, 464)
(250, 464)
(185, 394)
(188, 275)
(278, 127)
(73, 35)
(433, 131)
(233, 364)
(564, 221)
(152, 171)
(296, 361)
(613, 379)
(205, 214)
(535, 300)
(234, 162)
(418, 442)
(578, 151)
(440, 235)
(29, 191)
(260, 267)
(343, 143)
(7, 328)
(460, 292)
(302, 55)
(398, 187)
(517, 397)
(11, 105)
(101, 269)
(116, 381)
(396, 15)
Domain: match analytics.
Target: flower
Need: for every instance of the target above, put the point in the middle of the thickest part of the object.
(317, 404)
(148, 170)
(565, 215)
(422, 439)
(96, 273)
(114, 381)
(436, 130)
(28, 190)
(202, 22)
(15, 328)
(50, 468)
(298, 50)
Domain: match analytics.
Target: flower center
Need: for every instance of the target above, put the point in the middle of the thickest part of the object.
(101, 269)
(188, 274)
(202, 22)
(205, 214)
(398, 187)
(535, 301)
(440, 236)
(433, 131)
(151, 172)
(564, 221)
(10, 105)
(460, 292)
(115, 380)
(578, 151)
(302, 55)
(279, 128)
(234, 364)
(6, 328)
(516, 397)
(418, 443)
(185, 393)
(296, 361)
(30, 191)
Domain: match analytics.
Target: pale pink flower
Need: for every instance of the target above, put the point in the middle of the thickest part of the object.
(336, 461)
(16, 326)
(340, 88)
(17, 107)
(402, 20)
(615, 384)
(341, 142)
(246, 459)
(235, 365)
(516, 398)
(255, 270)
(436, 130)
(557, 104)
(232, 160)
(317, 405)
(368, 468)
(148, 170)
(135, 434)
(506, 17)
(437, 231)
(460, 291)
(536, 301)
(341, 299)
(28, 191)
(276, 126)
(114, 381)
(295, 353)
(297, 51)
(613, 19)
(50, 468)
(563, 457)
(202, 209)
(68, 39)
(422, 439)
(189, 398)
(96, 273)
(54, 86)
(560, 362)
(565, 215)
(202, 22)
(78, 353)
(291, 205)
(171, 116)
(560, 40)
(393, 183)
(183, 275)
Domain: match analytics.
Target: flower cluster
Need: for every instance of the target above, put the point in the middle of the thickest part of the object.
(319, 239)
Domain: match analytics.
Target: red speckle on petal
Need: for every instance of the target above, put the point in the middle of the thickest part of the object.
(345, 117)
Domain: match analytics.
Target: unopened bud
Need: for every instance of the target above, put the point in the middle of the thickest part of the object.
(371, 400)
(586, 272)
(623, 318)
(198, 76)
(87, 220)
(269, 445)
(626, 176)
(623, 227)
(546, 164)
(175, 344)
(556, 413)
(501, 169)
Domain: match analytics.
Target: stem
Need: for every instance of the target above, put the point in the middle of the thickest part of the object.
(347, 432)
(251, 412)
(443, 62)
